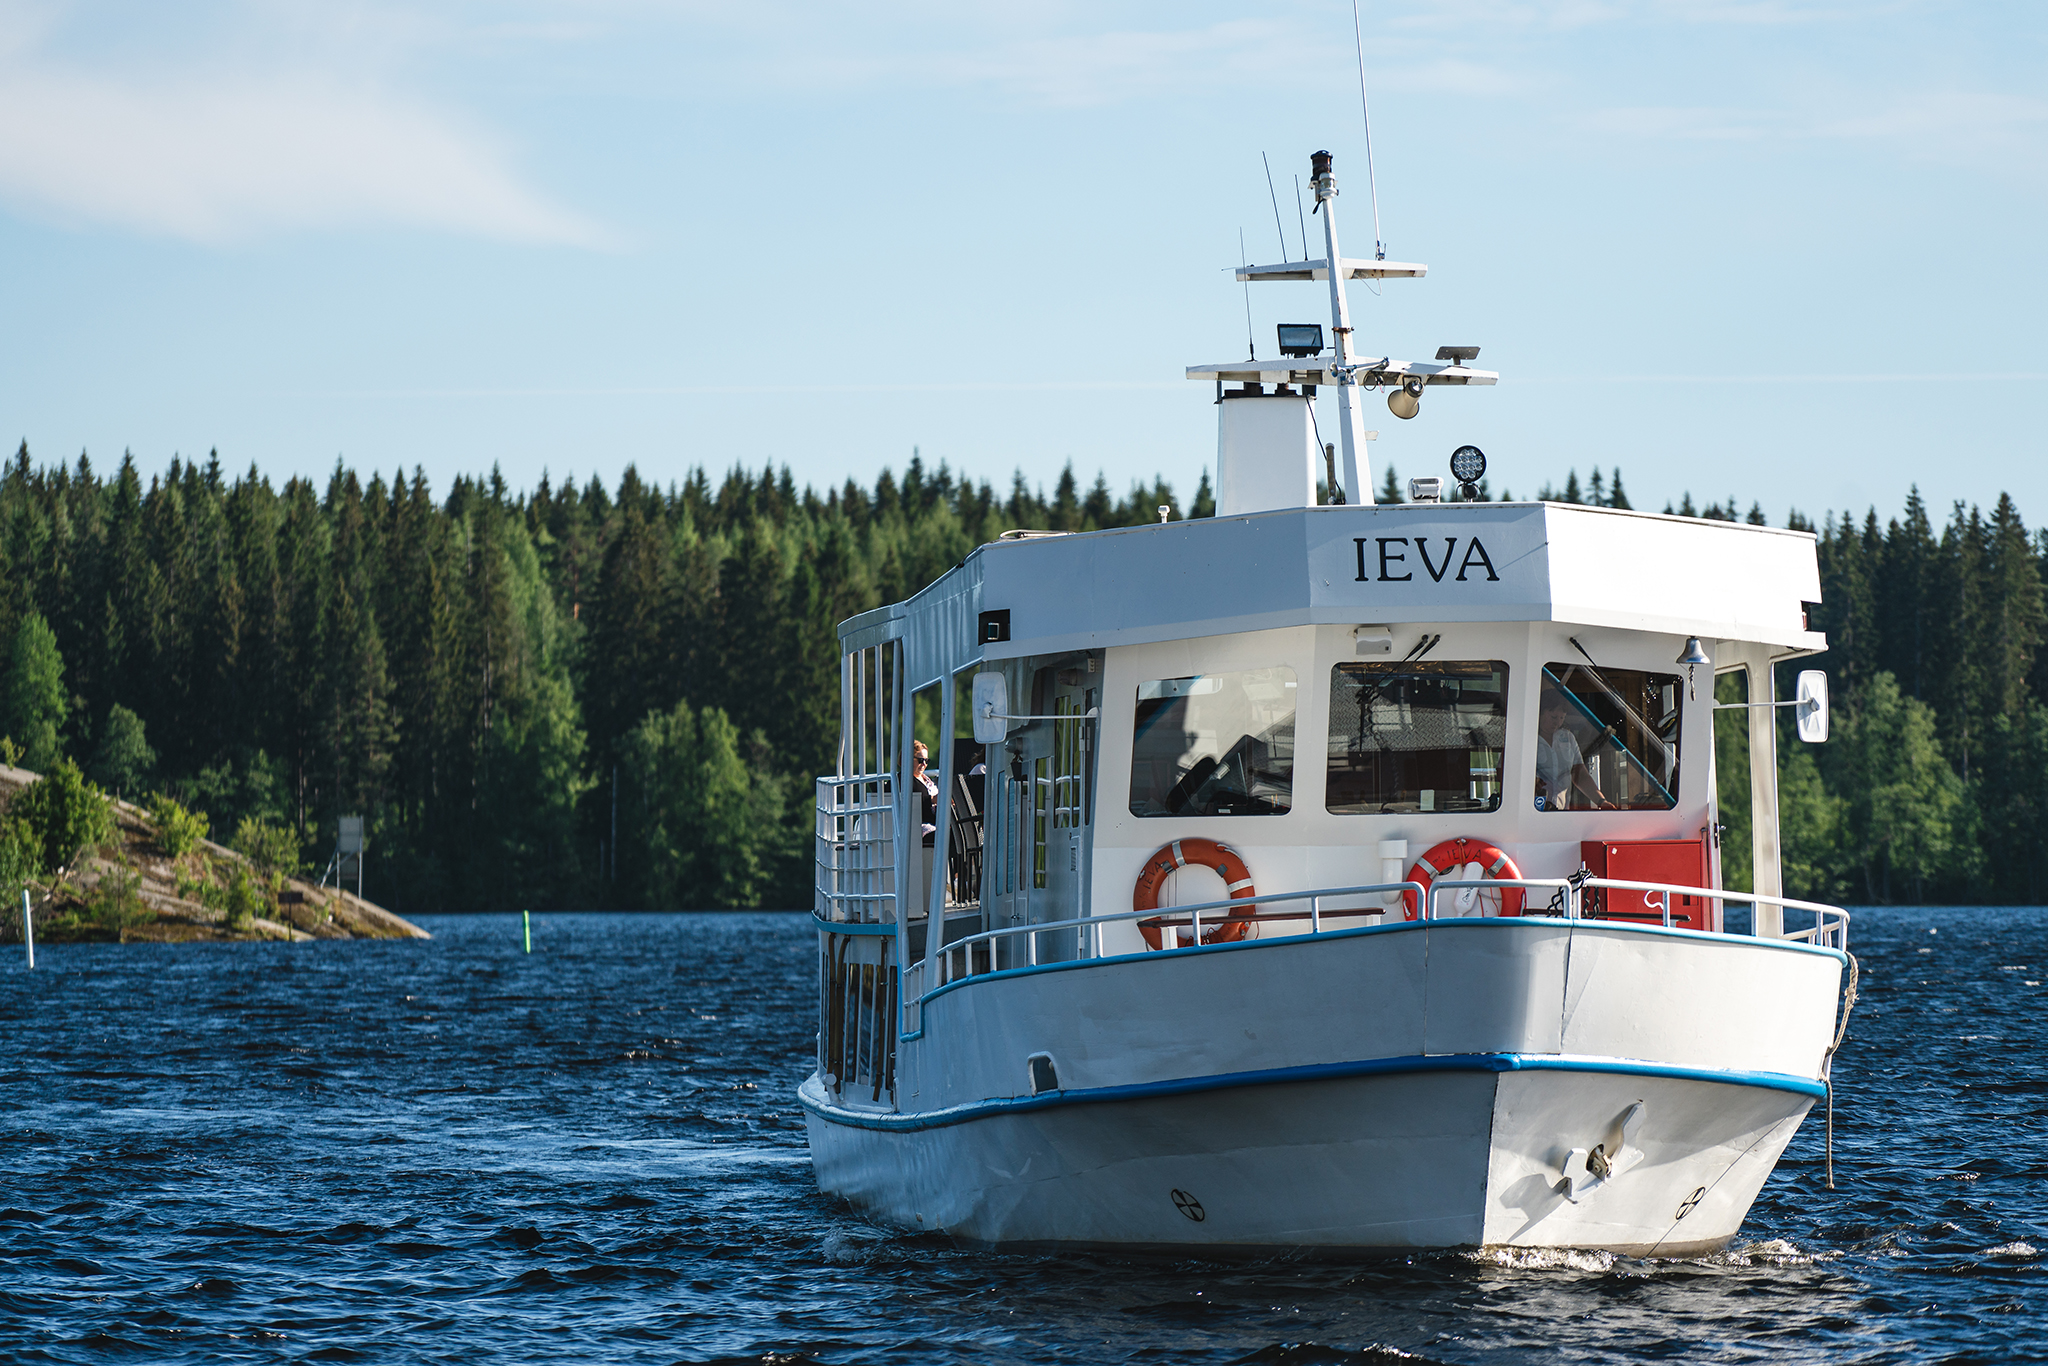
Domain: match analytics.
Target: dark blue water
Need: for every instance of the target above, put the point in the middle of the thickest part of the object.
(451, 1151)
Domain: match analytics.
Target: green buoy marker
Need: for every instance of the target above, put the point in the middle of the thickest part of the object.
(526, 922)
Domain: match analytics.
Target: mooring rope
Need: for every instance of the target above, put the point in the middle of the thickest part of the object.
(1828, 1063)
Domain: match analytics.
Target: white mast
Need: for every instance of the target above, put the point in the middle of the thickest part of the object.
(1350, 421)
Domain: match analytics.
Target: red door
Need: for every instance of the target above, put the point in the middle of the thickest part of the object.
(1681, 863)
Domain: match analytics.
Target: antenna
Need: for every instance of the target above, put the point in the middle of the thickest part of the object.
(1250, 345)
(1379, 245)
(1298, 214)
(1276, 206)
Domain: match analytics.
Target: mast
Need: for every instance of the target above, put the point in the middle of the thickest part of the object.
(1350, 420)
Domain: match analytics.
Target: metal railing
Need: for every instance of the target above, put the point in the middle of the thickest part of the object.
(857, 986)
(856, 849)
(958, 959)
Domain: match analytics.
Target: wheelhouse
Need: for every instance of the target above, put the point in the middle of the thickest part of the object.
(1337, 694)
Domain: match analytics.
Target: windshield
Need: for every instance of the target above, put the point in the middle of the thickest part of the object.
(1607, 739)
(1215, 745)
(1416, 737)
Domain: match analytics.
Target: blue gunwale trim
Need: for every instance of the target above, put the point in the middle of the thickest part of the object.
(1326, 1071)
(1405, 927)
(851, 926)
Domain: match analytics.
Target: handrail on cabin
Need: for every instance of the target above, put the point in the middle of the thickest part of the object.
(1572, 889)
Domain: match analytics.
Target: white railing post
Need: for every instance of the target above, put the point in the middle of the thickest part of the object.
(28, 929)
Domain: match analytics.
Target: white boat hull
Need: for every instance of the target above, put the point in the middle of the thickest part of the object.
(1364, 1164)
(1326, 1154)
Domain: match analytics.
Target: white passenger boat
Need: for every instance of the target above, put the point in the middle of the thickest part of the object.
(1327, 878)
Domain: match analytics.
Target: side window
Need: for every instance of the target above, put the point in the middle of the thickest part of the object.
(1607, 739)
(1426, 736)
(1215, 745)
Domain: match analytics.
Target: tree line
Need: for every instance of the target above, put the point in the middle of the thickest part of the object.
(581, 696)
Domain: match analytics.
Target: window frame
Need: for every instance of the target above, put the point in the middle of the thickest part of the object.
(1501, 668)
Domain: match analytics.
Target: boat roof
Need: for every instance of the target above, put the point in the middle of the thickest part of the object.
(1367, 564)
(1319, 269)
(1316, 370)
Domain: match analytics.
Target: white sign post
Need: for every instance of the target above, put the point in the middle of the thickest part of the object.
(28, 929)
(349, 849)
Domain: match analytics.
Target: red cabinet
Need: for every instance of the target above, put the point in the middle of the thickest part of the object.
(1679, 862)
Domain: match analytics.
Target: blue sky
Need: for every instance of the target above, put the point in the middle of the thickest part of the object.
(1781, 249)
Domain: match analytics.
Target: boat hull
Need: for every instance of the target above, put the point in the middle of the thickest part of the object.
(1383, 1160)
(1361, 1092)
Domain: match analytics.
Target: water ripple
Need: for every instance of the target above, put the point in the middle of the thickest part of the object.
(448, 1150)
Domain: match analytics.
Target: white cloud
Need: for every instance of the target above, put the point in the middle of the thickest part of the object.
(2006, 134)
(224, 155)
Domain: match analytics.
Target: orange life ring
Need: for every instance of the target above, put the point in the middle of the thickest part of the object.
(1228, 863)
(1456, 854)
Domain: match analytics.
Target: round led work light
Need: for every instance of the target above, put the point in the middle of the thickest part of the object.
(1468, 465)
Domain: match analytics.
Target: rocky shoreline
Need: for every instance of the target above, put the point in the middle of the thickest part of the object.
(128, 891)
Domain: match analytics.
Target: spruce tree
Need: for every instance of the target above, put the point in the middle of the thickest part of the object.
(33, 705)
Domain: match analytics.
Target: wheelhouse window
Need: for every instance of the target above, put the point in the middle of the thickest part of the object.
(1607, 739)
(1215, 745)
(1425, 736)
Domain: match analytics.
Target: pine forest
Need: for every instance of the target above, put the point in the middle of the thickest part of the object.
(580, 696)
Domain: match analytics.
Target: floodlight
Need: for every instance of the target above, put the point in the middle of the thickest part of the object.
(1406, 401)
(1468, 465)
(1458, 355)
(1300, 339)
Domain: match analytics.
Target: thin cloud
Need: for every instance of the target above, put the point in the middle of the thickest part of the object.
(2003, 132)
(236, 157)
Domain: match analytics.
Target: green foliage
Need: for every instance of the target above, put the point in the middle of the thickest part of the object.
(1810, 827)
(244, 784)
(178, 831)
(61, 814)
(115, 901)
(1903, 803)
(21, 859)
(33, 706)
(706, 823)
(1731, 780)
(123, 759)
(464, 667)
(244, 898)
(204, 890)
(272, 849)
(2012, 787)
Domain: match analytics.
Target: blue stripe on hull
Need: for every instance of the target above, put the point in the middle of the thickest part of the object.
(1450, 1062)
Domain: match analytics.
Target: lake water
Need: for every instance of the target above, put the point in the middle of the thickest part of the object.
(451, 1150)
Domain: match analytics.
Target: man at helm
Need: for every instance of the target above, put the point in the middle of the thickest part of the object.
(1562, 780)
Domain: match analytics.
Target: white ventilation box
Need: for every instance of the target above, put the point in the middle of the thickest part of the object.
(1266, 455)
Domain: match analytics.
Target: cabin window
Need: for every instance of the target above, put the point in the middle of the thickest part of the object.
(1215, 745)
(1426, 736)
(1607, 739)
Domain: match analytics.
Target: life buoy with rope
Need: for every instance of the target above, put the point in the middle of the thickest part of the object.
(1457, 853)
(1169, 858)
